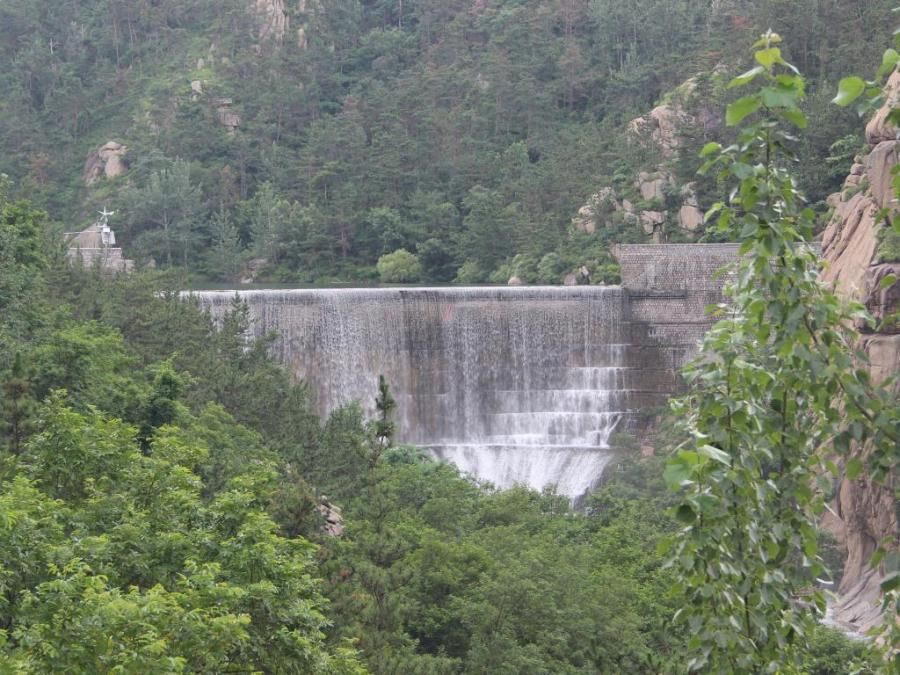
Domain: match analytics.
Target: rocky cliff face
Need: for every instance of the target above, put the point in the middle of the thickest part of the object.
(274, 20)
(866, 511)
(659, 132)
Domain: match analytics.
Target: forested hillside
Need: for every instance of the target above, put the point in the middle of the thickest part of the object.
(313, 137)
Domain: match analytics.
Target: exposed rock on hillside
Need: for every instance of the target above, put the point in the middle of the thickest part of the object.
(273, 19)
(661, 125)
(878, 129)
(331, 514)
(601, 203)
(659, 131)
(652, 186)
(227, 117)
(106, 161)
(850, 244)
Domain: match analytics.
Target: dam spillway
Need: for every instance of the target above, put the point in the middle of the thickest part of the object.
(511, 384)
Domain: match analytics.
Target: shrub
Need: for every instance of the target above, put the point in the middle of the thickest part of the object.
(401, 266)
(469, 273)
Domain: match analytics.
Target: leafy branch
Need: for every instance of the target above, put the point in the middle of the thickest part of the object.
(775, 389)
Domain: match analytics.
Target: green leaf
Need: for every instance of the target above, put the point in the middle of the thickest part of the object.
(713, 210)
(780, 97)
(809, 547)
(746, 78)
(676, 473)
(795, 117)
(854, 466)
(742, 171)
(888, 61)
(710, 148)
(685, 514)
(849, 89)
(715, 454)
(768, 57)
(888, 281)
(740, 109)
(890, 582)
(769, 38)
(706, 503)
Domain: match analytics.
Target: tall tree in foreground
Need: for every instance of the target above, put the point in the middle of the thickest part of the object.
(776, 385)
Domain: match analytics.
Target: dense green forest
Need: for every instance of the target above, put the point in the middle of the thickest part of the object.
(315, 137)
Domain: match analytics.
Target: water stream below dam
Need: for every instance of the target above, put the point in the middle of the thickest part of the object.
(511, 384)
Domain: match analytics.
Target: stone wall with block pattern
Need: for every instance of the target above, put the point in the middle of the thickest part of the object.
(669, 287)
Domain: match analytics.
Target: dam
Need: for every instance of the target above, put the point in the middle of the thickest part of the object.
(511, 384)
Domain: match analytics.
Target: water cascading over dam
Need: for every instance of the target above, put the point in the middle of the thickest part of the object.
(513, 385)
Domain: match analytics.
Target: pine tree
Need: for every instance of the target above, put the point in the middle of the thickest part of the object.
(384, 425)
(17, 406)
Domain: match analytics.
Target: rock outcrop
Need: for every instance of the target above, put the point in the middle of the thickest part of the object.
(661, 126)
(659, 132)
(690, 216)
(878, 129)
(866, 511)
(107, 161)
(333, 525)
(272, 19)
(602, 203)
(652, 186)
(227, 117)
(651, 221)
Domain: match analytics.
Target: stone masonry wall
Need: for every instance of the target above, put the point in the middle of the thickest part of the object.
(669, 287)
(674, 266)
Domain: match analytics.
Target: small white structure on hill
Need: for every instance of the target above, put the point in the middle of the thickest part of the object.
(96, 246)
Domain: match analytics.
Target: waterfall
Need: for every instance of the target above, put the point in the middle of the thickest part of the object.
(513, 385)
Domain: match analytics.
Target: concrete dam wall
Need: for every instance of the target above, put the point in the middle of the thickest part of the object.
(512, 384)
(669, 287)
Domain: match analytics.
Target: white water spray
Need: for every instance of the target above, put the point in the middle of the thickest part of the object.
(513, 385)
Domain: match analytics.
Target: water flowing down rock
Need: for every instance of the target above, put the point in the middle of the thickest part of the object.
(513, 385)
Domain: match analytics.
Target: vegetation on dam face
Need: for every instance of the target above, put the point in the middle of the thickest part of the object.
(171, 500)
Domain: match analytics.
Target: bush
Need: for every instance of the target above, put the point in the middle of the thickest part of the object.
(469, 273)
(550, 269)
(401, 266)
(888, 246)
(501, 275)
